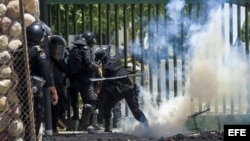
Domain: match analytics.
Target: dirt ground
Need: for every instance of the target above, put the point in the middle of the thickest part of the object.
(73, 135)
(115, 136)
(102, 136)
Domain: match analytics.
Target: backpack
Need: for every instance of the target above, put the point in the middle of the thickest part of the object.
(75, 61)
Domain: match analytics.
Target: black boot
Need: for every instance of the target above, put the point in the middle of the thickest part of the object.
(93, 120)
(107, 125)
(54, 121)
(75, 114)
(86, 114)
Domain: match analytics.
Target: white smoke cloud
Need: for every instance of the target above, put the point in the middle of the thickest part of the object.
(174, 7)
(217, 68)
(166, 120)
(214, 73)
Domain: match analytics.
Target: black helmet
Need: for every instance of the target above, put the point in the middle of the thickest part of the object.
(36, 33)
(90, 38)
(79, 40)
(101, 54)
(57, 46)
(47, 28)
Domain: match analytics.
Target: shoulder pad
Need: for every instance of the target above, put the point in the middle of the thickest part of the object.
(38, 48)
(40, 51)
(85, 47)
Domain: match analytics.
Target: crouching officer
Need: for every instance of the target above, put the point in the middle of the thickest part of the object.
(40, 67)
(118, 89)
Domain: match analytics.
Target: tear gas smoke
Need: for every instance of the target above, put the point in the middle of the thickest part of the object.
(216, 70)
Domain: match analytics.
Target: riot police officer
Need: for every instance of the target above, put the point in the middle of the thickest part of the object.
(40, 66)
(59, 65)
(118, 89)
(83, 67)
(72, 91)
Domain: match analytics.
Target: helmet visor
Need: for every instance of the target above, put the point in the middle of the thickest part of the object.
(57, 52)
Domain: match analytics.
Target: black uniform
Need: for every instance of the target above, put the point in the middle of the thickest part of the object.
(82, 67)
(116, 110)
(59, 65)
(39, 66)
(73, 94)
(116, 90)
(59, 68)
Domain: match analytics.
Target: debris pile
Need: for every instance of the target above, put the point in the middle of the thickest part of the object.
(202, 136)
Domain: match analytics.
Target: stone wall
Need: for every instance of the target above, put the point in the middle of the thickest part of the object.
(11, 124)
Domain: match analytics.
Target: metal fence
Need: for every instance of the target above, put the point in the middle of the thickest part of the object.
(23, 93)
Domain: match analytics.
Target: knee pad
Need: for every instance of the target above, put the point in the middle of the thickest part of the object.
(137, 89)
(88, 107)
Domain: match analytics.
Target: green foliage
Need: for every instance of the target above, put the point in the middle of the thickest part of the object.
(81, 17)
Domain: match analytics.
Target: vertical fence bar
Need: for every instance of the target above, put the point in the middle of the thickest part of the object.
(205, 13)
(158, 61)
(66, 37)
(133, 39)
(223, 34)
(66, 22)
(50, 15)
(183, 52)
(217, 96)
(117, 28)
(166, 51)
(91, 17)
(190, 8)
(83, 7)
(108, 23)
(175, 55)
(75, 19)
(197, 20)
(58, 24)
(239, 51)
(125, 44)
(125, 34)
(100, 23)
(141, 35)
(247, 53)
(231, 45)
(149, 55)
